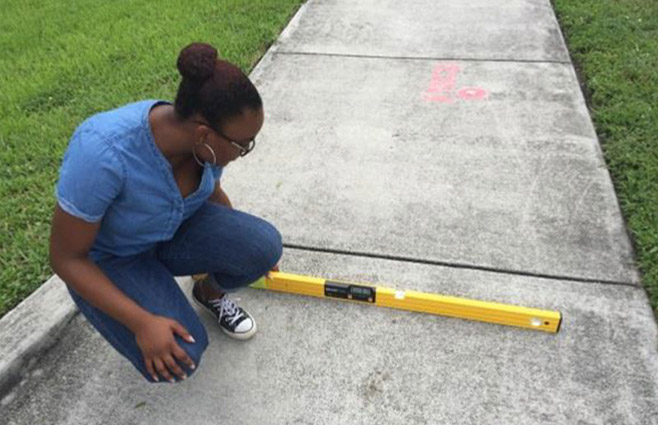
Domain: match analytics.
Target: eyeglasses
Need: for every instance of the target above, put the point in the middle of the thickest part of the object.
(244, 150)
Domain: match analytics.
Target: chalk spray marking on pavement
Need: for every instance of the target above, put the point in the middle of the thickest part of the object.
(472, 93)
(443, 82)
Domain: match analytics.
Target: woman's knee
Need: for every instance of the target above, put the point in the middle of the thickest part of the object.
(271, 246)
(274, 246)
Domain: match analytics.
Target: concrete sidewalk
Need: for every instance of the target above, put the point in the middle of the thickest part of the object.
(430, 145)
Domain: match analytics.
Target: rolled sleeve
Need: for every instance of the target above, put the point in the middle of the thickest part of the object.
(91, 177)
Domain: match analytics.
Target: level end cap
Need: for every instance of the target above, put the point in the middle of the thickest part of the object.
(259, 284)
(559, 322)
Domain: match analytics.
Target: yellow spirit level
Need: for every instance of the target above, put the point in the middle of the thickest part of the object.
(502, 314)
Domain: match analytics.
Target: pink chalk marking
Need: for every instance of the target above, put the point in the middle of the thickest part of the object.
(444, 78)
(442, 86)
(472, 93)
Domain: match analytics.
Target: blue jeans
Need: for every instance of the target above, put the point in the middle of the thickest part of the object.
(237, 248)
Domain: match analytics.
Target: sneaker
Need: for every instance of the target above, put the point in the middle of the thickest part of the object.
(234, 320)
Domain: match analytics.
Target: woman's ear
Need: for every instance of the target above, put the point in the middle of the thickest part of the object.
(201, 131)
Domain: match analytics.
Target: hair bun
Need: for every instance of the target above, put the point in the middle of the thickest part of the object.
(197, 61)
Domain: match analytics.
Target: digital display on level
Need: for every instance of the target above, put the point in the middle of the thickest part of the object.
(361, 291)
(349, 291)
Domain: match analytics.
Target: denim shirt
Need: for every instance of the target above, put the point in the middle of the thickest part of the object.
(114, 173)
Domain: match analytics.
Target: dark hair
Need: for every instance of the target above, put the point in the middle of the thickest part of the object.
(212, 87)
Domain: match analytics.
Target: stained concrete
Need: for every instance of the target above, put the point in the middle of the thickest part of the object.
(354, 157)
(326, 362)
(468, 29)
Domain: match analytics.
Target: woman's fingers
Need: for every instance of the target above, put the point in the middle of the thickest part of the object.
(173, 366)
(162, 370)
(181, 331)
(149, 369)
(168, 365)
(182, 357)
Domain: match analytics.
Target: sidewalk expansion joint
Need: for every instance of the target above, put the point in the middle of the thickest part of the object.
(461, 266)
(419, 58)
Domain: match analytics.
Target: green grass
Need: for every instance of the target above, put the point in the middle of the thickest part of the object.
(65, 60)
(615, 47)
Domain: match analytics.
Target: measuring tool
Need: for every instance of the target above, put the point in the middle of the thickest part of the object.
(502, 314)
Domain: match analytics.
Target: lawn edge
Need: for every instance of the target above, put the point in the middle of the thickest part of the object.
(587, 96)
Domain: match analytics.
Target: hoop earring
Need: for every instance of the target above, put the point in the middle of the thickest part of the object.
(196, 158)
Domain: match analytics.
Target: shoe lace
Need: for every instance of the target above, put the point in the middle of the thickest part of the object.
(227, 308)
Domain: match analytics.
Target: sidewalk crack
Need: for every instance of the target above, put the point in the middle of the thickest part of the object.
(456, 265)
(422, 58)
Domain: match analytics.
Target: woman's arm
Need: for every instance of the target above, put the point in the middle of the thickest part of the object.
(70, 241)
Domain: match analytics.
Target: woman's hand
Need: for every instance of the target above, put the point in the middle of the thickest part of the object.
(155, 337)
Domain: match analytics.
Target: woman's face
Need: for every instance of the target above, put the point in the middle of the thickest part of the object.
(238, 130)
